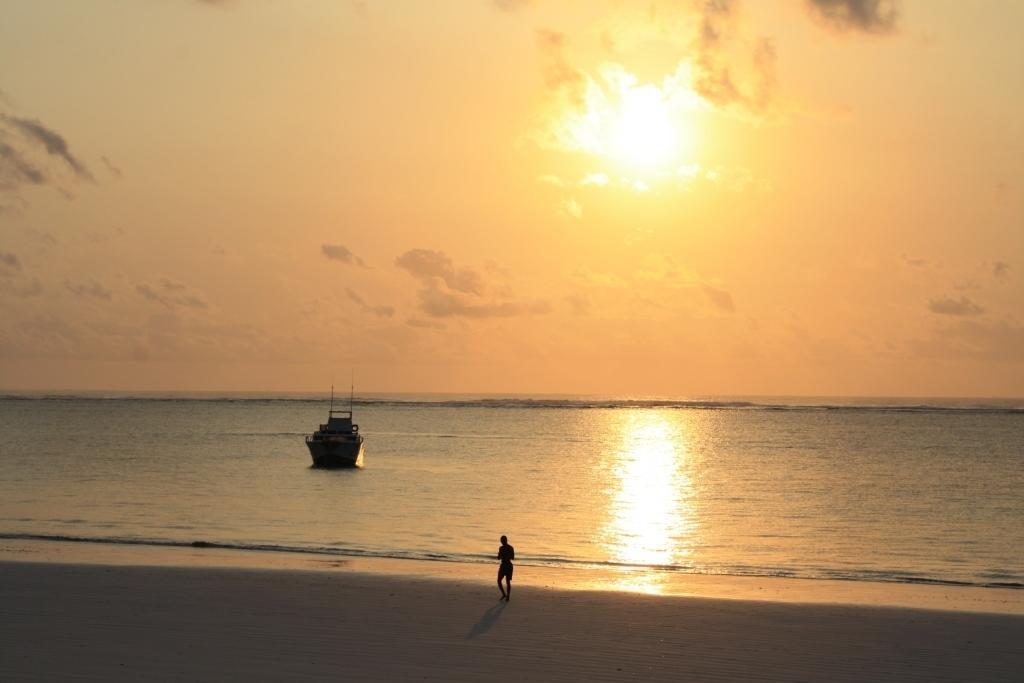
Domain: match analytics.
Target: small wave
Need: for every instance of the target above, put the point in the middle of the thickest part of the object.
(867, 575)
(259, 547)
(1002, 406)
(269, 434)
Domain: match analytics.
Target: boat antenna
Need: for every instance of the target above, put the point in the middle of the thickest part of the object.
(332, 397)
(352, 391)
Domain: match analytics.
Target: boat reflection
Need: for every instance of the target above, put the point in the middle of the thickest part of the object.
(651, 521)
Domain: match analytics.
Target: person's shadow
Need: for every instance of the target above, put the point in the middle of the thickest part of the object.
(486, 621)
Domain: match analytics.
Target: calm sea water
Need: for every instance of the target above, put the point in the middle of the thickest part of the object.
(863, 490)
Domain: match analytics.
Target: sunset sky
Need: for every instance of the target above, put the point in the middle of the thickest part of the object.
(809, 197)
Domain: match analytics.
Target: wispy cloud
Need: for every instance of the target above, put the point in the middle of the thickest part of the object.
(511, 5)
(715, 80)
(16, 170)
(441, 304)
(720, 298)
(428, 265)
(31, 154)
(114, 170)
(426, 324)
(570, 208)
(449, 291)
(865, 16)
(975, 339)
(961, 307)
(338, 252)
(9, 260)
(52, 142)
(90, 289)
(917, 262)
(15, 282)
(379, 310)
(1000, 268)
(170, 295)
(579, 304)
(559, 74)
(550, 179)
(21, 288)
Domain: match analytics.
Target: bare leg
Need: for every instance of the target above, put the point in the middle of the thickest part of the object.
(499, 586)
(508, 589)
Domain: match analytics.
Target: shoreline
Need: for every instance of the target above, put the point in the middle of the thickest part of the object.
(925, 596)
(123, 622)
(547, 563)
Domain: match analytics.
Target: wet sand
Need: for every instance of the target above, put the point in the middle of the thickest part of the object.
(114, 622)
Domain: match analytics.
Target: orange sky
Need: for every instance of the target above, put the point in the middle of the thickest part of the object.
(667, 198)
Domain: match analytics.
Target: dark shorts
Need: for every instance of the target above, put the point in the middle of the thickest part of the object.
(505, 570)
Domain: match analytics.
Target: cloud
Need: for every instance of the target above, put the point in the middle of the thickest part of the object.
(170, 294)
(448, 291)
(52, 142)
(379, 311)
(764, 59)
(114, 170)
(10, 260)
(1000, 268)
(22, 291)
(428, 265)
(549, 179)
(29, 155)
(11, 205)
(337, 252)
(427, 324)
(16, 170)
(999, 342)
(45, 239)
(559, 74)
(570, 208)
(579, 304)
(440, 304)
(961, 307)
(93, 289)
(13, 281)
(716, 15)
(865, 16)
(714, 81)
(720, 298)
(590, 278)
(511, 5)
(600, 179)
(916, 262)
(714, 77)
(38, 337)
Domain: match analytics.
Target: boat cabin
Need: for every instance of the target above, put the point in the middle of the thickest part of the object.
(342, 423)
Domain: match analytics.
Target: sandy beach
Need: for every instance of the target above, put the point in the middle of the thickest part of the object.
(111, 622)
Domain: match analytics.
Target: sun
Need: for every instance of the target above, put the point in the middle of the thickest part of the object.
(643, 128)
(642, 131)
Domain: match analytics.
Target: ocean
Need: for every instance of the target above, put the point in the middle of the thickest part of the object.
(858, 489)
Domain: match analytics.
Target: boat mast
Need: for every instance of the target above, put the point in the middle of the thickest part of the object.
(352, 392)
(331, 409)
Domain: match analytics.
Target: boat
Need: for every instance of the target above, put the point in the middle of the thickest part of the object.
(338, 442)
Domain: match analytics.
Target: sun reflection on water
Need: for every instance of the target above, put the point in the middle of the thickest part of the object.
(651, 517)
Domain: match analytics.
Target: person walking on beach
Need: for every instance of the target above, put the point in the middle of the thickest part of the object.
(506, 554)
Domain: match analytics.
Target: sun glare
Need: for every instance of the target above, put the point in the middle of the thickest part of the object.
(643, 127)
(643, 132)
(651, 521)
